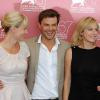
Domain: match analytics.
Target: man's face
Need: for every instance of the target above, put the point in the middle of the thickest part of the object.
(48, 27)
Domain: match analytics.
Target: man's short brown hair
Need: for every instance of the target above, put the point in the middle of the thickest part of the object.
(48, 13)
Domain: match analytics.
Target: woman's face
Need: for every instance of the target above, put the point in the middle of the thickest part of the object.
(90, 33)
(19, 32)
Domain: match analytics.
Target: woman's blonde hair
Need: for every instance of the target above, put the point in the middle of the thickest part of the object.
(14, 19)
(77, 38)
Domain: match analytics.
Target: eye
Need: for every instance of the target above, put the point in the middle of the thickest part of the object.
(46, 25)
(96, 29)
(54, 25)
(90, 29)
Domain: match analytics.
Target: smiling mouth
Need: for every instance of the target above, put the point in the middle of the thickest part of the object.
(50, 34)
(94, 37)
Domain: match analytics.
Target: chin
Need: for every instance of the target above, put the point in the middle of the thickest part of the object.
(92, 42)
(50, 38)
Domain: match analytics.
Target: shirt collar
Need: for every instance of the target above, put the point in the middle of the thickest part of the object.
(56, 39)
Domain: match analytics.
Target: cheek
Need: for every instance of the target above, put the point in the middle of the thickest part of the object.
(45, 28)
(86, 34)
(22, 32)
(19, 35)
(54, 29)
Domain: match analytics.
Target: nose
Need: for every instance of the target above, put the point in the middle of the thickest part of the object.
(50, 28)
(95, 31)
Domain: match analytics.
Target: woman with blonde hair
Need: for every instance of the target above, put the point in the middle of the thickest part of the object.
(82, 63)
(13, 58)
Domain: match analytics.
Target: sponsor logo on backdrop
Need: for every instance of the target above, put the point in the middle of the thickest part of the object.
(28, 1)
(31, 5)
(83, 6)
(63, 29)
(81, 2)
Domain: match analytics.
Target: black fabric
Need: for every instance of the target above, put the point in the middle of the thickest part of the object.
(85, 74)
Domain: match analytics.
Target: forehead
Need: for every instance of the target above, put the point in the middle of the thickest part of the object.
(92, 25)
(49, 20)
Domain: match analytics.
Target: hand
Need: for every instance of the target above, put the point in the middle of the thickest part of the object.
(98, 88)
(1, 85)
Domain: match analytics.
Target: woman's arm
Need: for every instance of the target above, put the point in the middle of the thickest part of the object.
(67, 74)
(27, 70)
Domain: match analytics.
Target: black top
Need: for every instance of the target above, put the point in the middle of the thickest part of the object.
(85, 74)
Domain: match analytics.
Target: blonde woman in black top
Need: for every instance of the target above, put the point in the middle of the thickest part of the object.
(82, 63)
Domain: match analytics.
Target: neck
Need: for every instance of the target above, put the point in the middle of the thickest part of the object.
(48, 43)
(9, 42)
(88, 45)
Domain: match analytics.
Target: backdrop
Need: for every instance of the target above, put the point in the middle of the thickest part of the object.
(71, 11)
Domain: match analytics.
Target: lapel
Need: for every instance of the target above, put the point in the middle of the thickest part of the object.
(58, 61)
(36, 58)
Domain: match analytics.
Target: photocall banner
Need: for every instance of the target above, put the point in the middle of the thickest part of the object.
(71, 12)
